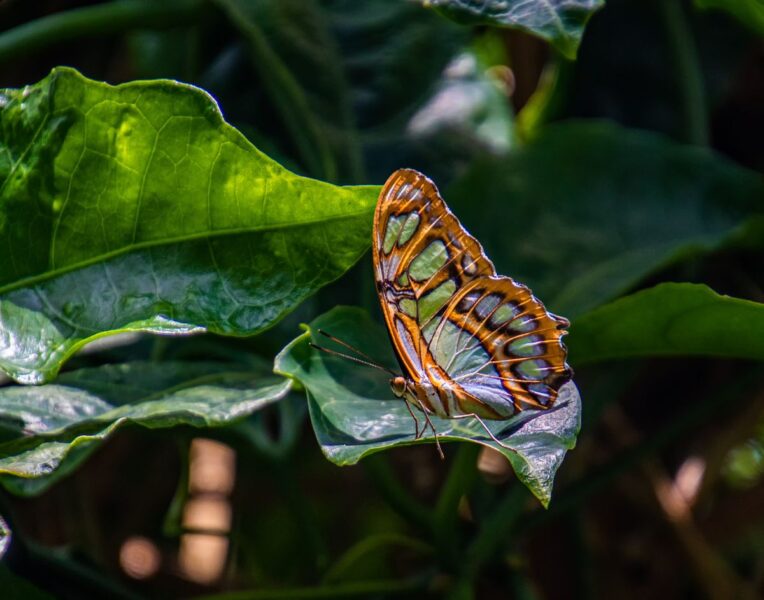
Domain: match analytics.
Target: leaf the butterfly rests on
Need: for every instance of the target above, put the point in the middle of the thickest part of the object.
(471, 342)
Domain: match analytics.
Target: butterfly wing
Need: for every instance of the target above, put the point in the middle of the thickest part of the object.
(451, 318)
(501, 346)
(415, 234)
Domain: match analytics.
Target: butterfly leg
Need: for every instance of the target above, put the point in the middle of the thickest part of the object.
(417, 433)
(428, 422)
(488, 431)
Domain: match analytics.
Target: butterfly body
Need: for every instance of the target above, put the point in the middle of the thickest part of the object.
(438, 396)
(471, 342)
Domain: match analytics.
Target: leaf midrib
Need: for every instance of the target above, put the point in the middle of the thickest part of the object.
(207, 235)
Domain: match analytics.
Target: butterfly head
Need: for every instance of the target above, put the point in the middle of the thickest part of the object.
(398, 385)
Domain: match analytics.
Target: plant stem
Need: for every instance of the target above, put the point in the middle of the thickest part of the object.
(172, 524)
(304, 515)
(549, 99)
(495, 529)
(343, 567)
(99, 20)
(395, 494)
(689, 77)
(461, 478)
(492, 535)
(255, 446)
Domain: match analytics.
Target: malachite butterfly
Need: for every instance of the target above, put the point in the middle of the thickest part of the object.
(472, 343)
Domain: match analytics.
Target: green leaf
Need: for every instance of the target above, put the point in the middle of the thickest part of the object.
(586, 210)
(749, 12)
(355, 414)
(137, 208)
(60, 424)
(561, 22)
(671, 319)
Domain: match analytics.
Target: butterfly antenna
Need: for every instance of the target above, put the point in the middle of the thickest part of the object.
(346, 345)
(353, 358)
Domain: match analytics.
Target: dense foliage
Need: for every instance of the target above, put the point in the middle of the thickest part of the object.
(170, 250)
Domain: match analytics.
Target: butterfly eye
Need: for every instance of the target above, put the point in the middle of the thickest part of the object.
(398, 385)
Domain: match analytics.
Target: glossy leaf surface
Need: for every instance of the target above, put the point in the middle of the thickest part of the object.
(137, 207)
(355, 414)
(561, 22)
(58, 425)
(589, 209)
(671, 319)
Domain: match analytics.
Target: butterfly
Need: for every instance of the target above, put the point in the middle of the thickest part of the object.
(472, 344)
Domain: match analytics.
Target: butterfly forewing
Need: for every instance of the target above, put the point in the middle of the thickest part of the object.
(453, 321)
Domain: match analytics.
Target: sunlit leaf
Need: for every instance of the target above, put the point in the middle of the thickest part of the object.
(355, 414)
(137, 207)
(671, 319)
(59, 425)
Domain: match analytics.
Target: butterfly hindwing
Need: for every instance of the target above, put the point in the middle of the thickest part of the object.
(448, 311)
(497, 341)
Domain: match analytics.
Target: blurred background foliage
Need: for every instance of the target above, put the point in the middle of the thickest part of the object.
(639, 162)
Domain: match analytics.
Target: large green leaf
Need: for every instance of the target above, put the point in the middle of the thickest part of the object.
(137, 207)
(586, 210)
(354, 413)
(59, 425)
(561, 22)
(671, 319)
